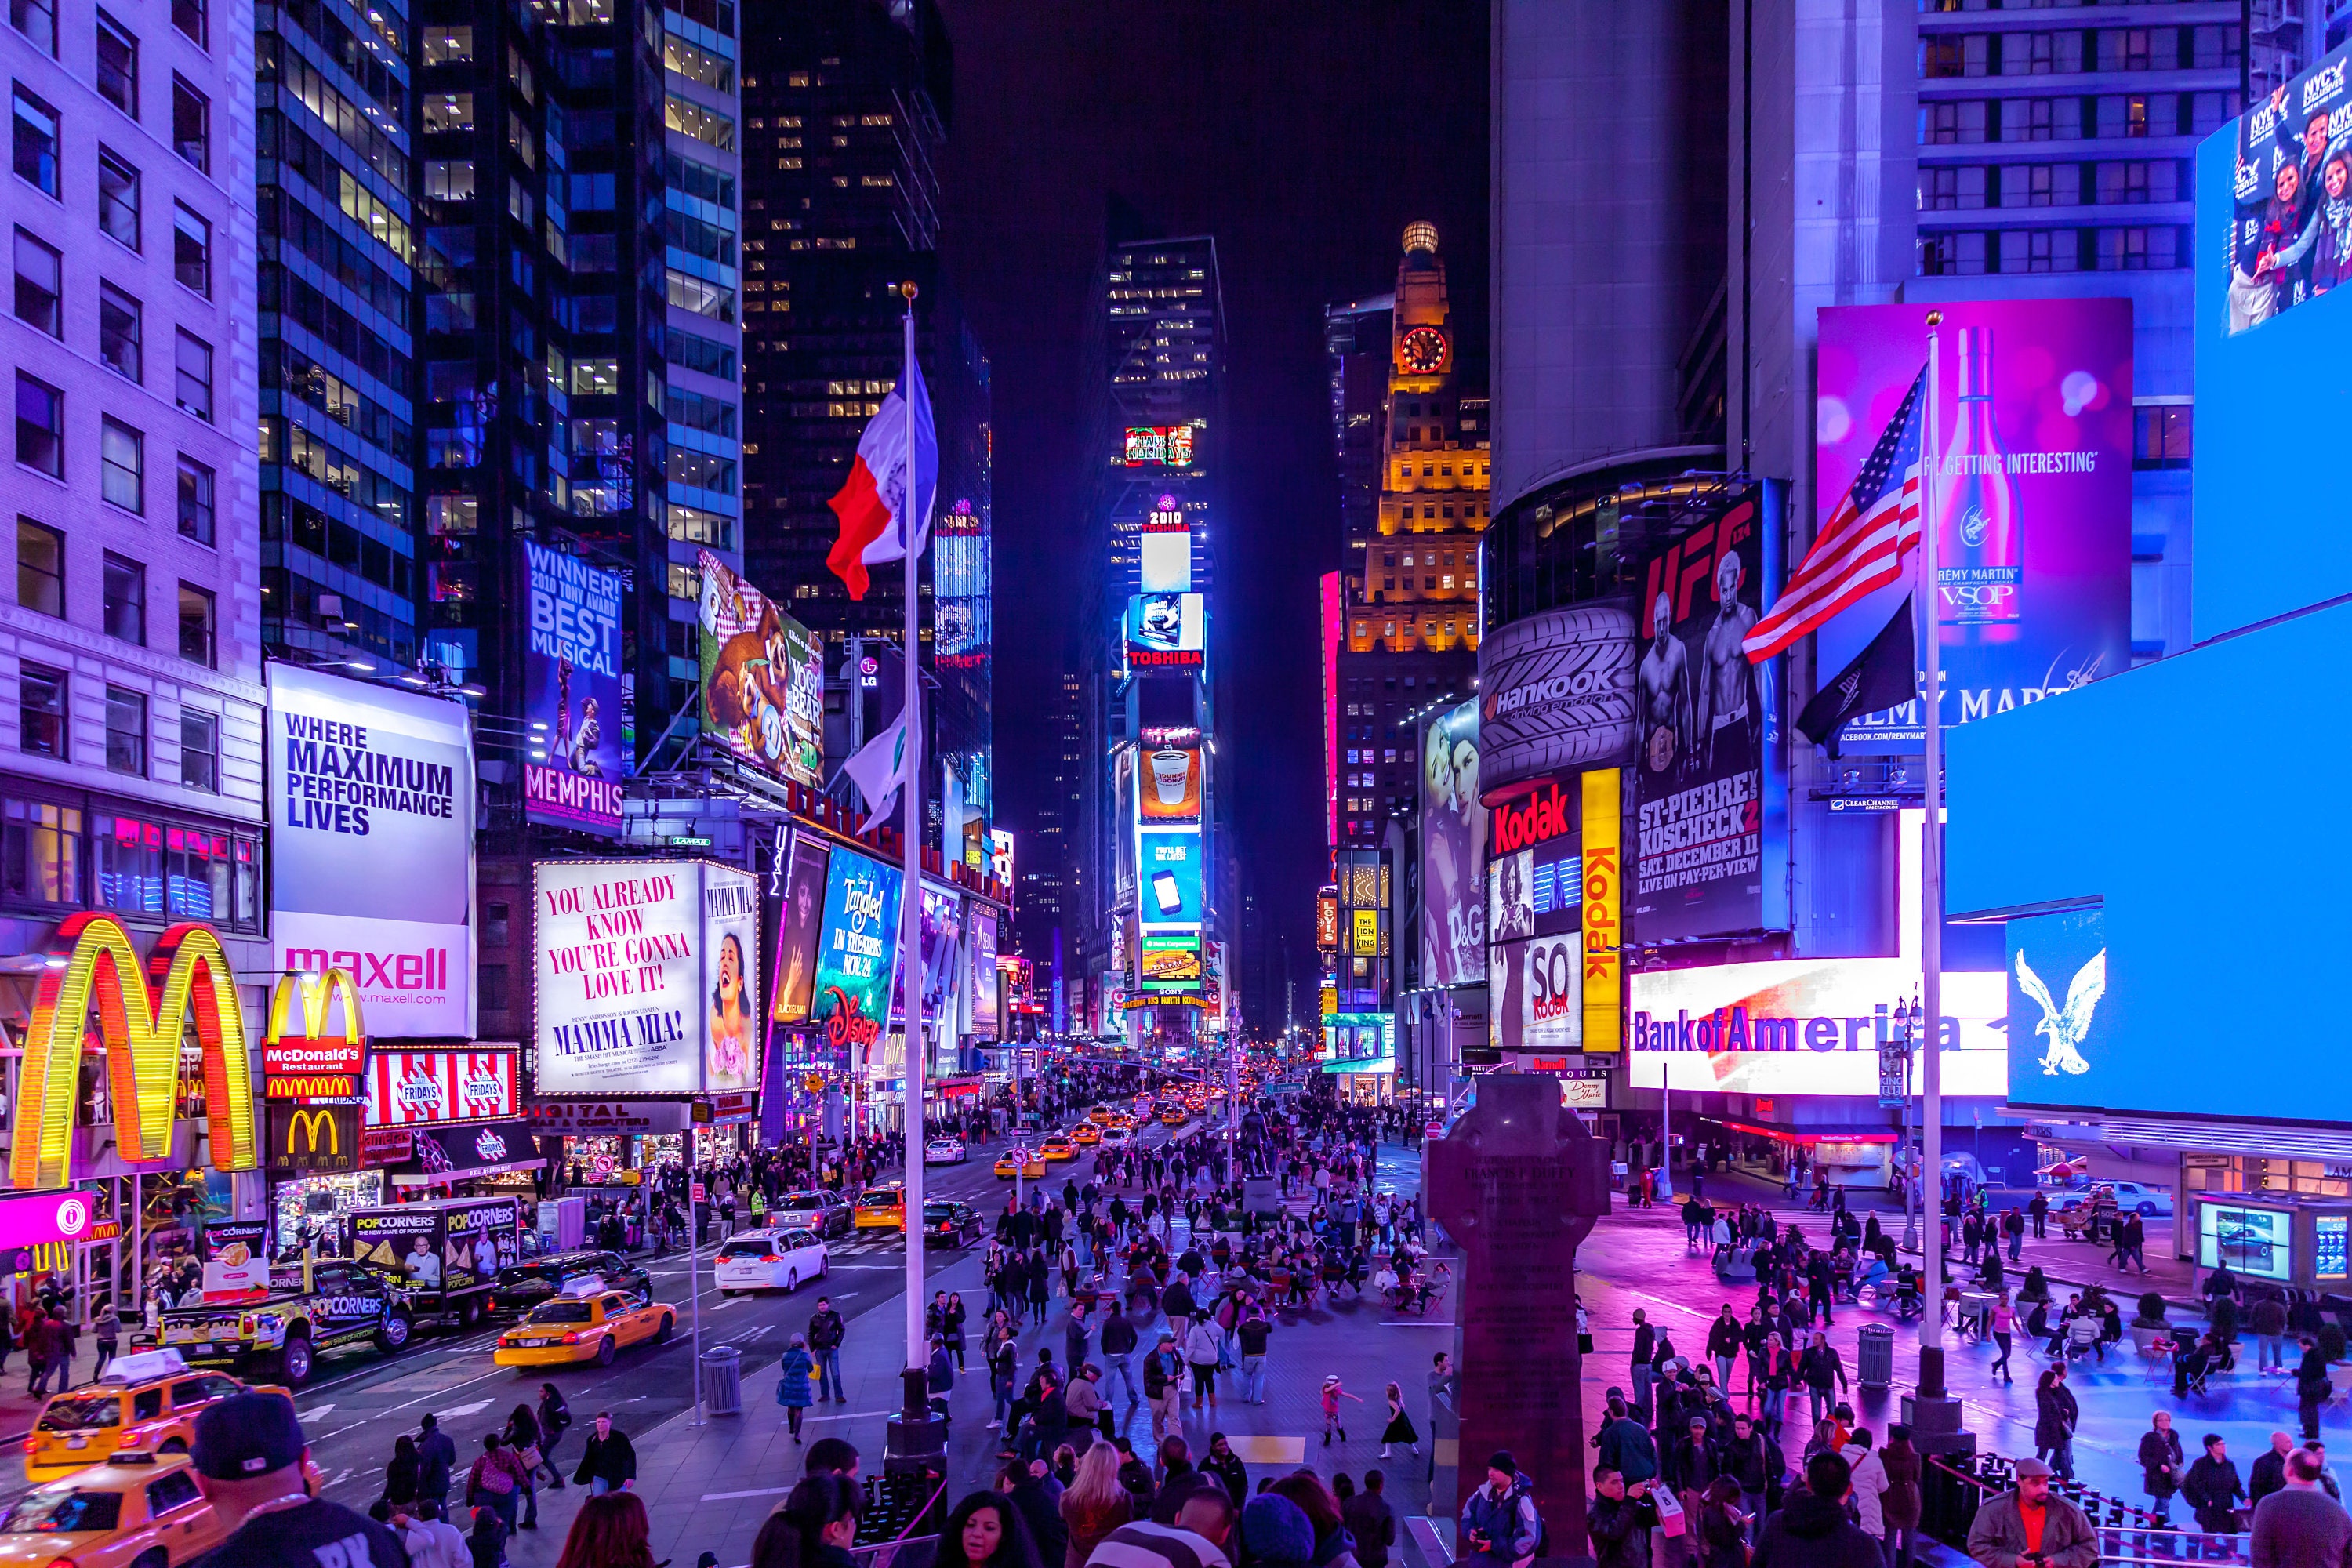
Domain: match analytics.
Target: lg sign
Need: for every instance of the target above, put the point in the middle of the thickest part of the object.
(1546, 813)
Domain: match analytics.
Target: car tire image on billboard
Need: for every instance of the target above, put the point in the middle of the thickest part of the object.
(1556, 693)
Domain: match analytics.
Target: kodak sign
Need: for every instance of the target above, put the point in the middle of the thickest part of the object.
(1515, 824)
(1604, 892)
(140, 1015)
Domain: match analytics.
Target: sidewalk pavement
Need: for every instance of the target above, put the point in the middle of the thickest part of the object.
(2072, 1264)
(711, 1487)
(1638, 1258)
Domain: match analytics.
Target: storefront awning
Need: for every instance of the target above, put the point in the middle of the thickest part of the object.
(445, 1155)
(1812, 1135)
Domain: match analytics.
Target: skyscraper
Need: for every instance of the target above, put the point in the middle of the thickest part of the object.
(847, 106)
(338, 319)
(1148, 617)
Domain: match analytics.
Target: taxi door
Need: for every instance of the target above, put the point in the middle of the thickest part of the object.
(179, 1518)
(630, 1322)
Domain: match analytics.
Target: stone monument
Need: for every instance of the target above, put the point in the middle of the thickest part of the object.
(1518, 1183)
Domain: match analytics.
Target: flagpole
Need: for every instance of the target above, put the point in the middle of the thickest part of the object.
(1931, 890)
(910, 914)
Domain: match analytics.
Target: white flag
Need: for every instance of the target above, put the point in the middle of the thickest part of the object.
(879, 770)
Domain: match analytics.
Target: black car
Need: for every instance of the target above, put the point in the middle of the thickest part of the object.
(834, 1216)
(526, 1285)
(952, 1224)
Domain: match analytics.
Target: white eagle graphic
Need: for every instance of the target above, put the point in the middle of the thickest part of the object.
(2066, 1027)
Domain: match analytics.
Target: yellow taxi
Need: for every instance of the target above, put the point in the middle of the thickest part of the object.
(136, 1511)
(1103, 1115)
(147, 1403)
(585, 1324)
(1085, 1135)
(881, 1208)
(1174, 1116)
(1020, 1163)
(1057, 1148)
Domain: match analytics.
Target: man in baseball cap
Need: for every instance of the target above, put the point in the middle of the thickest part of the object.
(250, 1459)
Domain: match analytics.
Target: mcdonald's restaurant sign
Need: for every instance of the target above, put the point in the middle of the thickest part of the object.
(300, 1060)
(141, 1013)
(313, 1136)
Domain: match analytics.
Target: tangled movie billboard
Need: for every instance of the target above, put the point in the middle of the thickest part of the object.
(762, 678)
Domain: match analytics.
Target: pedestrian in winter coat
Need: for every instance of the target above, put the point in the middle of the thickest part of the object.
(2269, 1472)
(1499, 1525)
(1618, 1520)
(2300, 1526)
(1998, 1535)
(1371, 1518)
(796, 1387)
(2212, 1487)
(2161, 1464)
(610, 1463)
(438, 1456)
(1811, 1530)
(1820, 1368)
(1899, 1504)
(1869, 1484)
(1625, 1445)
(2054, 1419)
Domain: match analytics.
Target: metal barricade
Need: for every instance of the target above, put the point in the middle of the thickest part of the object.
(2129, 1534)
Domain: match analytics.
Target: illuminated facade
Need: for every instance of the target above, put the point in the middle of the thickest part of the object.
(1414, 461)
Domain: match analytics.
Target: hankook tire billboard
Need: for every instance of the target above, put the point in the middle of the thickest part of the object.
(1556, 694)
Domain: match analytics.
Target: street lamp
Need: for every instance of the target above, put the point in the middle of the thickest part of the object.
(1905, 1020)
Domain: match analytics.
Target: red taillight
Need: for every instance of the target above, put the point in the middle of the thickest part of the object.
(30, 1444)
(63, 1563)
(770, 1257)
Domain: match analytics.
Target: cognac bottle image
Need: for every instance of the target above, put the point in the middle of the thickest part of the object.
(1979, 534)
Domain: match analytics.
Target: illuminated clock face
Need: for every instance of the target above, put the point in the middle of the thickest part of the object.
(1423, 348)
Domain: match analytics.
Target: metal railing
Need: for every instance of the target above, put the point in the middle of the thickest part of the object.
(2129, 1534)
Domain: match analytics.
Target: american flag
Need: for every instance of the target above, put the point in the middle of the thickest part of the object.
(1862, 547)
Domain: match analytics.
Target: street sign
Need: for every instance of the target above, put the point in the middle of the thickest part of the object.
(697, 1191)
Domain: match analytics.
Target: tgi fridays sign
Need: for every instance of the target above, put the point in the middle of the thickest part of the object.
(409, 1089)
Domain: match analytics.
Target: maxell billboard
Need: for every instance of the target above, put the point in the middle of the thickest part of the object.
(372, 846)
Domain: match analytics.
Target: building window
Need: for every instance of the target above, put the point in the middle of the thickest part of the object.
(126, 854)
(199, 751)
(197, 626)
(40, 568)
(122, 455)
(126, 732)
(118, 65)
(118, 199)
(445, 46)
(41, 710)
(196, 500)
(192, 124)
(118, 332)
(198, 873)
(193, 18)
(191, 250)
(684, 583)
(126, 599)
(2162, 435)
(37, 20)
(35, 143)
(449, 179)
(40, 281)
(40, 852)
(192, 376)
(40, 425)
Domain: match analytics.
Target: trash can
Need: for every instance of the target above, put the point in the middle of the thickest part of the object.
(723, 1381)
(1874, 1360)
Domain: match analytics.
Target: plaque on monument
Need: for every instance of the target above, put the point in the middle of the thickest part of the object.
(1518, 1182)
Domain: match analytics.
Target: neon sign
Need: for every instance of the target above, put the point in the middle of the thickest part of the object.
(140, 1015)
(1171, 444)
(312, 1064)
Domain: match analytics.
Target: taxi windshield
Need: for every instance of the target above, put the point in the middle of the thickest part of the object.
(59, 1511)
(82, 1412)
(881, 1198)
(562, 1312)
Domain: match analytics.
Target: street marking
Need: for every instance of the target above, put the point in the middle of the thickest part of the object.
(730, 1301)
(312, 1415)
(1423, 1531)
(1412, 1323)
(756, 1492)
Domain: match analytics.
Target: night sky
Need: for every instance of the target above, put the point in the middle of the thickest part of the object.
(1304, 138)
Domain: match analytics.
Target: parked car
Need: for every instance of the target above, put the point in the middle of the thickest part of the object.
(2136, 1197)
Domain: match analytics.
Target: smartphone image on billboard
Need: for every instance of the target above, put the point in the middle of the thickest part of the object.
(1170, 897)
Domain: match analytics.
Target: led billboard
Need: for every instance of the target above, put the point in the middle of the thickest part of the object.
(572, 692)
(371, 844)
(762, 678)
(1171, 960)
(962, 626)
(801, 930)
(858, 948)
(1452, 852)
(1172, 784)
(2061, 1053)
(1168, 445)
(1537, 988)
(645, 983)
(986, 987)
(1806, 1026)
(2033, 507)
(1556, 693)
(1710, 778)
(1166, 630)
(1164, 562)
(1358, 1037)
(1170, 889)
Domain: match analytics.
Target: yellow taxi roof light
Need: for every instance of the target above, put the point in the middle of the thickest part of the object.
(139, 1366)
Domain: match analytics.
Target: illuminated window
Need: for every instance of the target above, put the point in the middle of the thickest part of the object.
(40, 850)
